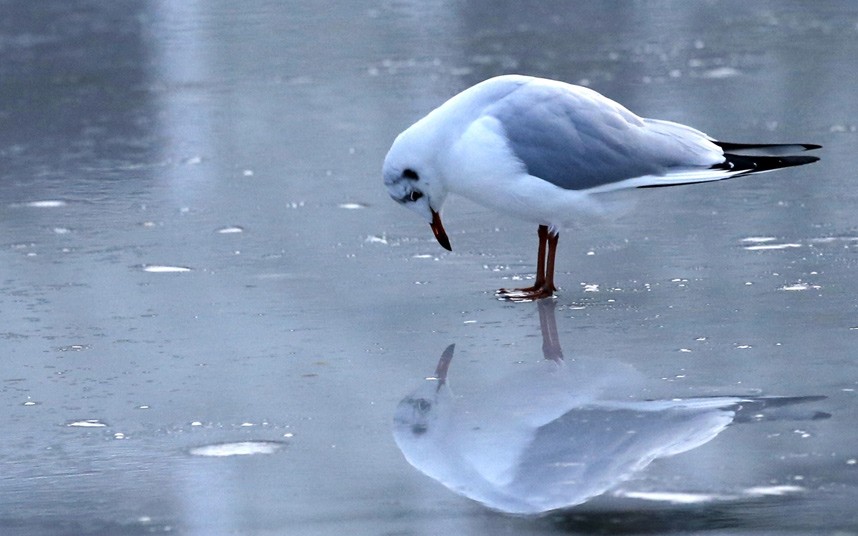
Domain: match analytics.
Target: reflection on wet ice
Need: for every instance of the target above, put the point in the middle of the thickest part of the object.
(561, 432)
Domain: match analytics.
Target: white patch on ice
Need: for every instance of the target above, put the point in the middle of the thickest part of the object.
(48, 203)
(770, 491)
(160, 269)
(241, 448)
(721, 72)
(88, 423)
(376, 240)
(671, 497)
(767, 247)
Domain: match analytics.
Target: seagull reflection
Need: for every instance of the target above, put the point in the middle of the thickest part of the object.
(557, 434)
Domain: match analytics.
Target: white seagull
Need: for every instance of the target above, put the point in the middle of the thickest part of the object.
(541, 150)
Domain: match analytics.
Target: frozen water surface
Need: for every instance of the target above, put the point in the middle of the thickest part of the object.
(237, 147)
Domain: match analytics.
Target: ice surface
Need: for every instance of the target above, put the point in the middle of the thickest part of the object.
(135, 134)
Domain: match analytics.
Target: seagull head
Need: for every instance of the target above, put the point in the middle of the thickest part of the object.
(413, 180)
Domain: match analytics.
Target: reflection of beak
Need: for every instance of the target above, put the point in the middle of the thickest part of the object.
(438, 229)
(443, 365)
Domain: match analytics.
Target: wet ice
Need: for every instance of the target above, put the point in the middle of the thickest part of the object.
(144, 128)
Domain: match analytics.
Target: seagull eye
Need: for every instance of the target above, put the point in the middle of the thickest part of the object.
(410, 174)
(415, 195)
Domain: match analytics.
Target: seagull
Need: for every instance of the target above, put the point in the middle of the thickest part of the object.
(543, 151)
(556, 433)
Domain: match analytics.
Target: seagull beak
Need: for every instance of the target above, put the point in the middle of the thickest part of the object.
(439, 232)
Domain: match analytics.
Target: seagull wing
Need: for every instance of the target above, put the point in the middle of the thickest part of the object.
(577, 139)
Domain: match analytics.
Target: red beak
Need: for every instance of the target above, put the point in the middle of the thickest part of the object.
(439, 232)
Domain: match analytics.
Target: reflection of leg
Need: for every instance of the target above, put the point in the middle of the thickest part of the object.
(543, 285)
(548, 323)
(444, 364)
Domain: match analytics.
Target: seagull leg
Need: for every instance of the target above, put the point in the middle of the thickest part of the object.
(548, 284)
(542, 233)
(543, 286)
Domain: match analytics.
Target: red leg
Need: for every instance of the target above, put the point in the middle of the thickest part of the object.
(553, 238)
(542, 233)
(543, 285)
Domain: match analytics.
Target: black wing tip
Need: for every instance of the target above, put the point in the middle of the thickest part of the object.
(743, 165)
(731, 147)
(808, 146)
(746, 164)
(787, 161)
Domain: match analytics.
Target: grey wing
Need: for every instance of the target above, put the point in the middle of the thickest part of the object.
(577, 139)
